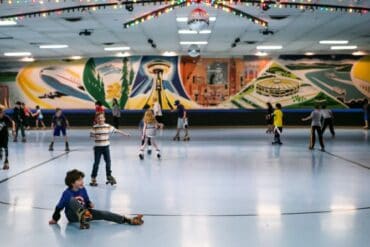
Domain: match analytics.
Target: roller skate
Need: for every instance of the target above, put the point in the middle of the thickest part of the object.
(93, 182)
(51, 146)
(141, 154)
(67, 147)
(176, 138)
(85, 219)
(111, 180)
(158, 154)
(6, 164)
(186, 138)
(137, 220)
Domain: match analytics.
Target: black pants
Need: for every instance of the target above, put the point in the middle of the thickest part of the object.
(328, 122)
(4, 145)
(19, 126)
(74, 209)
(277, 134)
(98, 152)
(116, 122)
(316, 129)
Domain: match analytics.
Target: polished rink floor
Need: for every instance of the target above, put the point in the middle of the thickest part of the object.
(226, 187)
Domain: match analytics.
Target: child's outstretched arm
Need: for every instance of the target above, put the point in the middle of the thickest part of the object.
(122, 132)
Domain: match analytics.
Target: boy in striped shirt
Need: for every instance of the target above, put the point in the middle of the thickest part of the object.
(101, 133)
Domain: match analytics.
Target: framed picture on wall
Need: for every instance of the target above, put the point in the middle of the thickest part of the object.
(217, 73)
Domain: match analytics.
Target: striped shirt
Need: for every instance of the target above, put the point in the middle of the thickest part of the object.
(101, 133)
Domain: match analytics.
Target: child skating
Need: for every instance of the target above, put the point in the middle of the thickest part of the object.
(78, 207)
(149, 133)
(5, 123)
(59, 124)
(39, 117)
(328, 117)
(19, 119)
(278, 124)
(182, 122)
(315, 117)
(141, 127)
(101, 133)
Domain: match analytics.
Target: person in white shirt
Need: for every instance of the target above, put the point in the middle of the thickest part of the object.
(328, 120)
(101, 134)
(157, 110)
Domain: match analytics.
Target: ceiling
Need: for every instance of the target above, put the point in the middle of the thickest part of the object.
(298, 33)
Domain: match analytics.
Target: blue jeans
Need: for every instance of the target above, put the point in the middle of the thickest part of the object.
(98, 152)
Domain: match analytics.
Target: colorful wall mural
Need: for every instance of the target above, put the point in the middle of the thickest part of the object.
(199, 83)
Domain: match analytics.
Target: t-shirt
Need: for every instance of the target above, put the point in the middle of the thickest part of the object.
(316, 118)
(157, 109)
(278, 118)
(101, 134)
(5, 123)
(326, 113)
(60, 121)
(180, 111)
(80, 195)
(18, 115)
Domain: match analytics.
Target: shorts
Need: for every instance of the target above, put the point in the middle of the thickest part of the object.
(59, 129)
(182, 123)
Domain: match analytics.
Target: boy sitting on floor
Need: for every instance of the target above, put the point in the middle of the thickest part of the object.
(78, 207)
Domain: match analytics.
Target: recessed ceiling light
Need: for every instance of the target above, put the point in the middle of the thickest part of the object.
(333, 42)
(117, 48)
(193, 42)
(122, 54)
(8, 23)
(359, 53)
(344, 47)
(54, 46)
(27, 59)
(261, 54)
(185, 19)
(187, 31)
(269, 47)
(169, 54)
(75, 57)
(309, 54)
(17, 54)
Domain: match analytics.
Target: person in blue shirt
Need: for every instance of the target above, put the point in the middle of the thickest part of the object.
(59, 124)
(182, 121)
(78, 207)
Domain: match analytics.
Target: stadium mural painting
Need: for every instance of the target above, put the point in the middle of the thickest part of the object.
(199, 83)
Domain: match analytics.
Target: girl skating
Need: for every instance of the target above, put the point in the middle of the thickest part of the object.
(149, 133)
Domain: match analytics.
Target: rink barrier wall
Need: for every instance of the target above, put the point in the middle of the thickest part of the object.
(217, 117)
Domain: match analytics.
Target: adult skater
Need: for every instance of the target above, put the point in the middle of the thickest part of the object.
(278, 124)
(315, 117)
(182, 122)
(5, 123)
(270, 118)
(328, 117)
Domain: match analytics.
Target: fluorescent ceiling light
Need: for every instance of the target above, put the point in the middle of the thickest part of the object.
(333, 42)
(187, 31)
(169, 54)
(205, 31)
(261, 54)
(344, 47)
(118, 48)
(27, 59)
(57, 46)
(269, 47)
(185, 19)
(75, 57)
(122, 54)
(309, 54)
(193, 42)
(17, 54)
(8, 23)
(359, 53)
